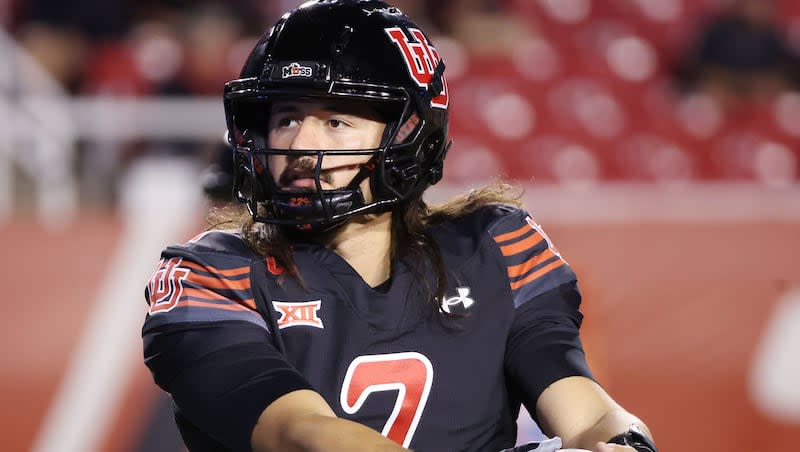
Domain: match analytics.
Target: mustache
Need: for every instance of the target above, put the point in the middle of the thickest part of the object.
(301, 169)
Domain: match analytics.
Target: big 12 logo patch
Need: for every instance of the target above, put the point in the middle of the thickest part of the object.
(421, 59)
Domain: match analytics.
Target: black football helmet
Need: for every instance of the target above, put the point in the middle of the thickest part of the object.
(340, 50)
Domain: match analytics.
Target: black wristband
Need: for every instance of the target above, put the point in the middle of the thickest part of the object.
(635, 438)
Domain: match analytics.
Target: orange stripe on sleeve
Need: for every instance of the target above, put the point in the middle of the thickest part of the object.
(220, 283)
(513, 234)
(515, 271)
(522, 245)
(201, 304)
(239, 271)
(538, 273)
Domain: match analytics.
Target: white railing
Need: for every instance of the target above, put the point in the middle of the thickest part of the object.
(41, 125)
(37, 137)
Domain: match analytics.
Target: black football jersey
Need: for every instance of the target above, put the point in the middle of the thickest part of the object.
(228, 332)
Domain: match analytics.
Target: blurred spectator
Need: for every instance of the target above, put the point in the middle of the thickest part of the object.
(59, 34)
(61, 51)
(251, 15)
(741, 54)
(95, 19)
(171, 51)
(209, 35)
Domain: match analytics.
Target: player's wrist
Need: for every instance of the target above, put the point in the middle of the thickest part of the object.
(635, 438)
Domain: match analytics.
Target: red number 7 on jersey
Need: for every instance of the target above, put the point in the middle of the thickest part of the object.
(408, 373)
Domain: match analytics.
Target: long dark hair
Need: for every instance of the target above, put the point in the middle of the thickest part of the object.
(411, 233)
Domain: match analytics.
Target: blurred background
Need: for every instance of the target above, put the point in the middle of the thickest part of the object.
(656, 140)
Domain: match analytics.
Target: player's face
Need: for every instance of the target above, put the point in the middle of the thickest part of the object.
(311, 125)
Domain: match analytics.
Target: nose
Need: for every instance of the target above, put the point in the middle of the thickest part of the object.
(308, 135)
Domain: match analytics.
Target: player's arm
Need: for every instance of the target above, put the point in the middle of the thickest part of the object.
(302, 421)
(228, 382)
(544, 359)
(579, 411)
(209, 348)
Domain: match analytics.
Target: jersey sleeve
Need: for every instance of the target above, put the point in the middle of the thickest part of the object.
(533, 265)
(193, 284)
(207, 345)
(544, 342)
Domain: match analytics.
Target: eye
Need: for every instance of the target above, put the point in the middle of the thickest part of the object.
(335, 123)
(285, 122)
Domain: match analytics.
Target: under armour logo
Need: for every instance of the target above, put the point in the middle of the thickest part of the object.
(298, 314)
(462, 299)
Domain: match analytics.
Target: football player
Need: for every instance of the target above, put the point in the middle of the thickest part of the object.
(346, 314)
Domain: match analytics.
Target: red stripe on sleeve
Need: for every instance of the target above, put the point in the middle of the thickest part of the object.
(214, 282)
(248, 303)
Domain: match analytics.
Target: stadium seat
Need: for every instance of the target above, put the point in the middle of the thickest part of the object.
(112, 70)
(585, 105)
(477, 160)
(647, 157)
(749, 155)
(786, 113)
(592, 98)
(556, 158)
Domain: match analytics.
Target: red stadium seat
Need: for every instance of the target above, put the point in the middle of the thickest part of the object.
(749, 155)
(496, 108)
(614, 54)
(476, 160)
(556, 158)
(653, 158)
(538, 60)
(585, 105)
(112, 70)
(598, 85)
(786, 113)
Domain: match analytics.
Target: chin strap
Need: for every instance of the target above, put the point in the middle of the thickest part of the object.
(365, 171)
(304, 205)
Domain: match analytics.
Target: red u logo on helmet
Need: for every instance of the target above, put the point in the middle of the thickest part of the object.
(421, 59)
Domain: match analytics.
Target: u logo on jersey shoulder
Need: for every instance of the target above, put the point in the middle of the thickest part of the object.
(165, 287)
(304, 313)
